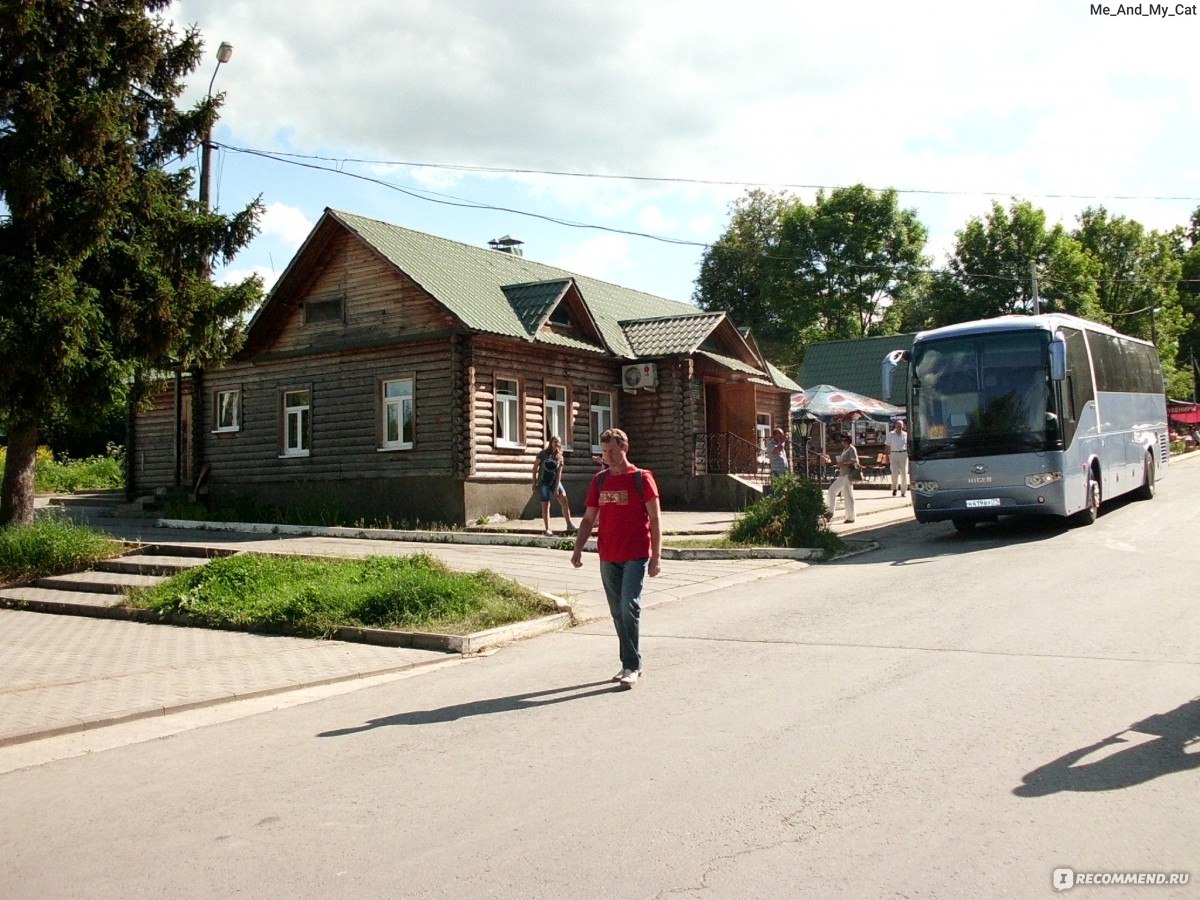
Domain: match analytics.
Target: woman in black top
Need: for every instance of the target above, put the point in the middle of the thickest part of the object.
(547, 481)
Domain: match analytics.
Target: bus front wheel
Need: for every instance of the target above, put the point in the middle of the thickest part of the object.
(963, 526)
(1091, 511)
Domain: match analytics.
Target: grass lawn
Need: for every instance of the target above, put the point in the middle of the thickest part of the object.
(409, 593)
(49, 546)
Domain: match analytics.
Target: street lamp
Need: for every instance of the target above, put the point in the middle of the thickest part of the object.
(224, 54)
(803, 427)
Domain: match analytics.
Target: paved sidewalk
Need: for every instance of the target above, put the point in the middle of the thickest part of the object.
(60, 674)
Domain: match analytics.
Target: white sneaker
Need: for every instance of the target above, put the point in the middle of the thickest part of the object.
(548, 533)
(619, 675)
(629, 679)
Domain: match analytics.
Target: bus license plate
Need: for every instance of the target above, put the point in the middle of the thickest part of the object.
(991, 501)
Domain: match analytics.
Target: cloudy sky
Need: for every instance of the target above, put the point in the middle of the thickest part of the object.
(446, 115)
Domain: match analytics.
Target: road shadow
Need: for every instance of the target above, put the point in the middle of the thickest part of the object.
(530, 700)
(911, 543)
(1175, 748)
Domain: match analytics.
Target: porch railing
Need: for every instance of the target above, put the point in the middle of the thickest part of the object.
(726, 453)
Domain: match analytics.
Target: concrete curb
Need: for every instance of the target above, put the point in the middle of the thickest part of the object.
(686, 553)
(465, 644)
(415, 640)
(504, 539)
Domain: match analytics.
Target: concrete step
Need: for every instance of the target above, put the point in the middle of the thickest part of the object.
(98, 582)
(186, 550)
(56, 601)
(150, 564)
(88, 498)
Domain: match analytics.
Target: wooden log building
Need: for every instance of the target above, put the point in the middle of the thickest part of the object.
(394, 373)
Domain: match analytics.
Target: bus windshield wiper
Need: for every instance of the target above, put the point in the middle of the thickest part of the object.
(950, 448)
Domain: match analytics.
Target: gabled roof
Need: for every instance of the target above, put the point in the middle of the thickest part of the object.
(666, 336)
(535, 300)
(512, 296)
(469, 282)
(855, 365)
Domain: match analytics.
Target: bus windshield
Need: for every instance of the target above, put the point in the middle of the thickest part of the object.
(982, 395)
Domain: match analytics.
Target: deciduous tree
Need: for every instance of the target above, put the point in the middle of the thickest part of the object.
(735, 272)
(1137, 276)
(796, 273)
(844, 259)
(989, 273)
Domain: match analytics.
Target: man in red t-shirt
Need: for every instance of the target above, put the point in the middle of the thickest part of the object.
(624, 499)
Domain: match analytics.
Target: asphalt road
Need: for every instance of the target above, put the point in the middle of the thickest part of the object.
(947, 716)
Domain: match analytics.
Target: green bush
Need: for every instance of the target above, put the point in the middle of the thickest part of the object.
(63, 475)
(49, 546)
(788, 515)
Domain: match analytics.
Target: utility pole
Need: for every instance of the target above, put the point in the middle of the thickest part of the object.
(224, 53)
(1037, 303)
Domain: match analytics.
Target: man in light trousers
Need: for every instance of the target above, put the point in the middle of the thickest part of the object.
(897, 451)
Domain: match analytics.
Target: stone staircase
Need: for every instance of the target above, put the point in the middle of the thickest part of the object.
(87, 505)
(104, 586)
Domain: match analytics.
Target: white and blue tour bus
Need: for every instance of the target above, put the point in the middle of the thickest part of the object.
(1030, 415)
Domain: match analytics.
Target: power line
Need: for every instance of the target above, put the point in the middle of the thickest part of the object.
(450, 200)
(311, 162)
(712, 182)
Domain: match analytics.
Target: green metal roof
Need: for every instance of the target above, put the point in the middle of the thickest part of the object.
(734, 365)
(512, 296)
(663, 337)
(855, 365)
(532, 302)
(469, 282)
(783, 380)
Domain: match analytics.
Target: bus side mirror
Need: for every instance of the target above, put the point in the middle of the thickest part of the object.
(890, 363)
(1058, 359)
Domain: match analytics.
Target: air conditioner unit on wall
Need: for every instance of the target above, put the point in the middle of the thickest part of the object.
(643, 376)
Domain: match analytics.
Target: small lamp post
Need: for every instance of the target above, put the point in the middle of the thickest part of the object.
(224, 53)
(804, 426)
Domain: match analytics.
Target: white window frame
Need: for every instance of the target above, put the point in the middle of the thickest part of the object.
(557, 417)
(398, 403)
(762, 431)
(227, 413)
(301, 414)
(507, 417)
(600, 417)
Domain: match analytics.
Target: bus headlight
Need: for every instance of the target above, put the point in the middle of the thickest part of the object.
(1041, 479)
(925, 487)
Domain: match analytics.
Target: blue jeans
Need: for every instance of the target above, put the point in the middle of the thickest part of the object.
(623, 587)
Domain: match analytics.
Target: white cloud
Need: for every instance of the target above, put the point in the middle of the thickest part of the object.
(1032, 97)
(652, 220)
(234, 276)
(287, 224)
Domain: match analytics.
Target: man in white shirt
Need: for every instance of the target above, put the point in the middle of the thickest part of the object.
(897, 451)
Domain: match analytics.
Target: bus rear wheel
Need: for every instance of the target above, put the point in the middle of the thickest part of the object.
(1091, 511)
(1146, 491)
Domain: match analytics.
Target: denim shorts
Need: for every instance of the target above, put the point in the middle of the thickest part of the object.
(546, 492)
